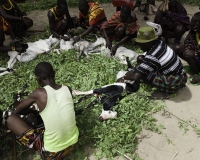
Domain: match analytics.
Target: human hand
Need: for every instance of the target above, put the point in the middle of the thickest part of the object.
(129, 75)
(114, 49)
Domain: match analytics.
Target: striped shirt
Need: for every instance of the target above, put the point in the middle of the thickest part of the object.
(162, 59)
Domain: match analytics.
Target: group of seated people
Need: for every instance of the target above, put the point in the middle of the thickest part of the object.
(161, 67)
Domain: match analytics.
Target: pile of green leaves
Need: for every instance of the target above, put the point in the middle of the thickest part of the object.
(120, 134)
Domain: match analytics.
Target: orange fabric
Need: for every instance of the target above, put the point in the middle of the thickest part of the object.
(95, 13)
(4, 25)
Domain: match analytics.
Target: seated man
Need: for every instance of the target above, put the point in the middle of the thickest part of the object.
(119, 3)
(161, 67)
(173, 19)
(190, 51)
(116, 28)
(56, 108)
(57, 23)
(6, 28)
(147, 7)
(12, 13)
(91, 16)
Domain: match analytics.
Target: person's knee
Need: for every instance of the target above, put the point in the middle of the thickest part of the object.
(140, 59)
(120, 32)
(180, 29)
(10, 120)
(177, 48)
(188, 54)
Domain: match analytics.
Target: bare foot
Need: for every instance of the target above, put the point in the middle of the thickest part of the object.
(195, 80)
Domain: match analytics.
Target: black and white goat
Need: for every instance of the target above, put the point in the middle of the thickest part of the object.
(112, 93)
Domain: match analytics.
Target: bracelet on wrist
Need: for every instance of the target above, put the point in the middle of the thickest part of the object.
(13, 48)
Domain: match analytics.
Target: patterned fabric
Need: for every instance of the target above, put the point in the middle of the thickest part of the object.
(119, 3)
(111, 25)
(33, 138)
(175, 16)
(191, 42)
(4, 25)
(95, 15)
(18, 28)
(169, 83)
(163, 64)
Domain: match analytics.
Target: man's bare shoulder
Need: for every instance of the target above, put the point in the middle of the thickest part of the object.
(38, 92)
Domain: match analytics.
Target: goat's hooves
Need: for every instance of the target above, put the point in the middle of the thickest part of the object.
(88, 57)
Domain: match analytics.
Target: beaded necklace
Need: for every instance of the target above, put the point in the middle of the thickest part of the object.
(9, 3)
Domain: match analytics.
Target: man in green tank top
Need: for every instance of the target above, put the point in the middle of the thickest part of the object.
(56, 109)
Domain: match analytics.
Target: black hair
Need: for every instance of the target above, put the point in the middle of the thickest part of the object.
(126, 10)
(44, 70)
(197, 15)
(61, 2)
(83, 6)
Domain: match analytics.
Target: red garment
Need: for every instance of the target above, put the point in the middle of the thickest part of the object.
(115, 21)
(119, 3)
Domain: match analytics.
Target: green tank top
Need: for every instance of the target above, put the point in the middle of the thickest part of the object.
(59, 120)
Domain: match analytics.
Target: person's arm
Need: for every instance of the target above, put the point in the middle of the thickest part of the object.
(9, 17)
(114, 48)
(18, 9)
(51, 18)
(68, 16)
(6, 49)
(90, 29)
(108, 43)
(132, 76)
(24, 104)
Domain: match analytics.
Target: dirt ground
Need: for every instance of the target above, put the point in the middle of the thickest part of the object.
(153, 146)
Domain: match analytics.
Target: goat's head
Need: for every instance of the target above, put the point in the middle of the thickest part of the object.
(107, 115)
(100, 41)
